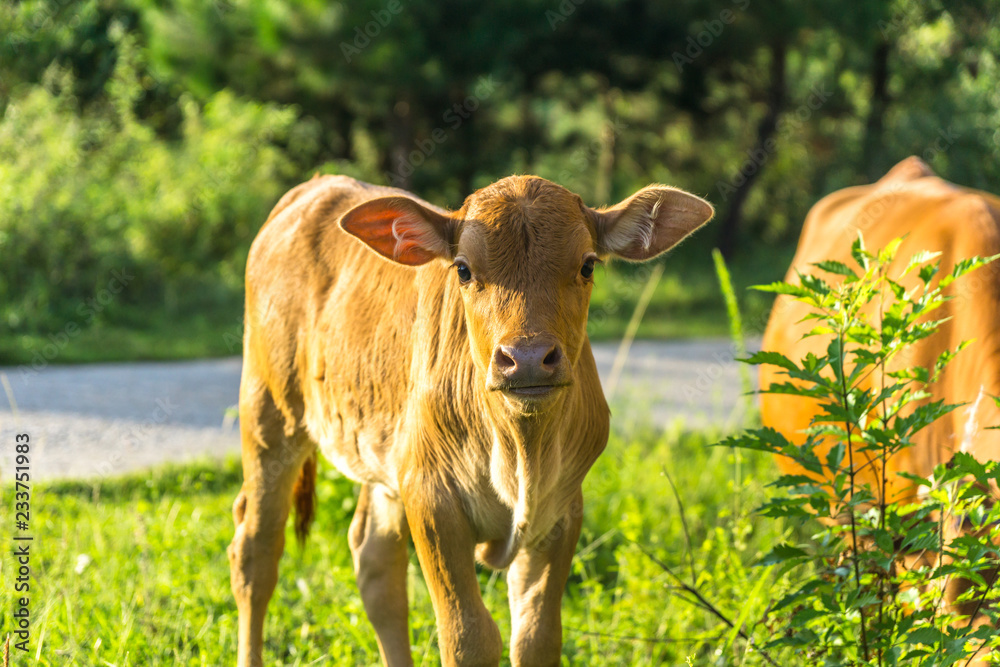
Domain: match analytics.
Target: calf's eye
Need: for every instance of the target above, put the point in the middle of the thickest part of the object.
(464, 273)
(587, 270)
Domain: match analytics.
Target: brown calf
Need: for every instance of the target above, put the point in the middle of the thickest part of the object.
(463, 398)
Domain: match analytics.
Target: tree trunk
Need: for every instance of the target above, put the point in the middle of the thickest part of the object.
(606, 157)
(401, 129)
(529, 135)
(740, 184)
(873, 158)
(466, 149)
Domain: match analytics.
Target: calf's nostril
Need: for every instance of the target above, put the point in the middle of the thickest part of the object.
(552, 358)
(503, 360)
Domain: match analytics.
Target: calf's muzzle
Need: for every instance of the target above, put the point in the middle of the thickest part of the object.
(528, 367)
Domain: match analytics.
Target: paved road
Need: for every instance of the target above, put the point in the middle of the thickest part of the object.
(104, 419)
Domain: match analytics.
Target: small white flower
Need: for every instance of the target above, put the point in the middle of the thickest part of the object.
(82, 561)
(303, 587)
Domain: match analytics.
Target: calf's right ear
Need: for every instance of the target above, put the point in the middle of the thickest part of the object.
(400, 229)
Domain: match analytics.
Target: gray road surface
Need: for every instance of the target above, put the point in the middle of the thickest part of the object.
(105, 419)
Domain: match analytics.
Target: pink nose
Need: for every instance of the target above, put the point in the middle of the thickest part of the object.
(532, 361)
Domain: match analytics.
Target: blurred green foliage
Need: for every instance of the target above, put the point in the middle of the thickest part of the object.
(153, 136)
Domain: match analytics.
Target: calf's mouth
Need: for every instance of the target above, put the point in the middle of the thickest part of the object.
(530, 391)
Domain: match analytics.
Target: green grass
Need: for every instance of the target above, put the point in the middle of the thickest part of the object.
(159, 337)
(687, 303)
(156, 590)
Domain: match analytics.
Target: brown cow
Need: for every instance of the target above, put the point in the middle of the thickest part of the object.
(930, 214)
(463, 398)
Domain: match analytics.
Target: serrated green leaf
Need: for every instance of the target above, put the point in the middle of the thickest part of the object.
(928, 272)
(770, 358)
(963, 267)
(835, 456)
(816, 285)
(926, 634)
(782, 552)
(783, 288)
(859, 253)
(897, 290)
(837, 268)
(888, 251)
(921, 257)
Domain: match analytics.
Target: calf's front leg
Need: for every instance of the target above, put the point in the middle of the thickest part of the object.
(535, 583)
(445, 545)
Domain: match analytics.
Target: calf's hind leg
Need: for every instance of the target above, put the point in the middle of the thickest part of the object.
(378, 538)
(272, 462)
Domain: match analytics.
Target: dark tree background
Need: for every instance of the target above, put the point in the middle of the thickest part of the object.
(158, 133)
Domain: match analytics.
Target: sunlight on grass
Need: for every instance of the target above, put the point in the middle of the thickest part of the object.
(133, 571)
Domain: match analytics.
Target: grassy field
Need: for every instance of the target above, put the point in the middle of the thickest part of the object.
(686, 304)
(133, 571)
(154, 336)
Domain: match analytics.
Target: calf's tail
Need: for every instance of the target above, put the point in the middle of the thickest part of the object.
(304, 499)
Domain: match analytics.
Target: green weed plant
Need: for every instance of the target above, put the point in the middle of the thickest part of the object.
(853, 603)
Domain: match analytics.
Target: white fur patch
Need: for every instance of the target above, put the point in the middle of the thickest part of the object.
(634, 226)
(647, 233)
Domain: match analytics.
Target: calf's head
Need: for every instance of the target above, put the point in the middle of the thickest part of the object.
(523, 252)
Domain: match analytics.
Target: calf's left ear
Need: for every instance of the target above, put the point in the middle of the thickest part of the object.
(401, 229)
(649, 222)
